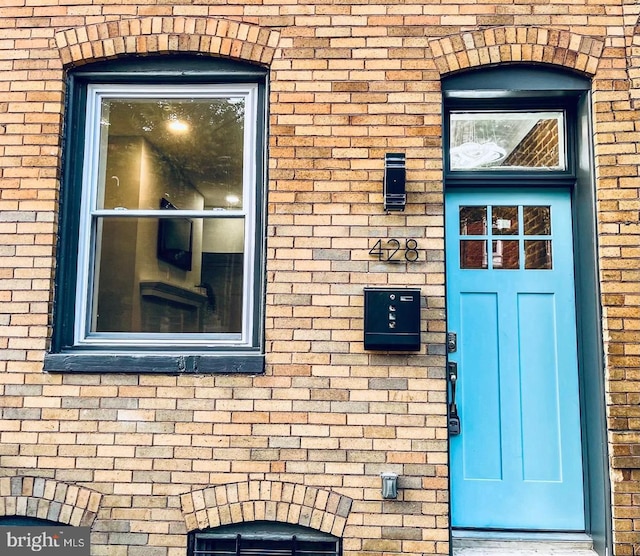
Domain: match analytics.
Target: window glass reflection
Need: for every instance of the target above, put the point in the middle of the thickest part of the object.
(473, 221)
(537, 221)
(504, 220)
(188, 150)
(473, 254)
(169, 275)
(506, 254)
(537, 254)
(507, 141)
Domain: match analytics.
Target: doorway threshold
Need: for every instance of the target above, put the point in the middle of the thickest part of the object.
(497, 543)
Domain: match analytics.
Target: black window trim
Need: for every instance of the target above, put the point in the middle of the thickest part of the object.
(530, 176)
(515, 87)
(63, 355)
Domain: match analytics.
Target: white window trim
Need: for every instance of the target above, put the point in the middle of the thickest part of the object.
(89, 212)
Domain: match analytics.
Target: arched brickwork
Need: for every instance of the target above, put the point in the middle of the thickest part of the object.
(48, 499)
(516, 44)
(219, 37)
(634, 66)
(269, 501)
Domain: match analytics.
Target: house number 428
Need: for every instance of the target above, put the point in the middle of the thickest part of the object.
(395, 250)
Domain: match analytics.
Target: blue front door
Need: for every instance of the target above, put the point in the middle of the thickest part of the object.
(517, 462)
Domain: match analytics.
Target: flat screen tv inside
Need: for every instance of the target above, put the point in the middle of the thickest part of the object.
(175, 238)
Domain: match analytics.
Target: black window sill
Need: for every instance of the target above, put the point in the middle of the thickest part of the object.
(141, 363)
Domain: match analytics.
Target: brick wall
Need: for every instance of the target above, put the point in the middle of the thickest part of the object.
(305, 443)
(539, 149)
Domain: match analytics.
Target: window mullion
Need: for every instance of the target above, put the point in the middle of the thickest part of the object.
(159, 213)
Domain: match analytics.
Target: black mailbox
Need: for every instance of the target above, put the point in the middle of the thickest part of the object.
(392, 319)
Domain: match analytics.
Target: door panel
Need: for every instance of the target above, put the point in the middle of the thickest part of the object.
(517, 463)
(538, 380)
(484, 385)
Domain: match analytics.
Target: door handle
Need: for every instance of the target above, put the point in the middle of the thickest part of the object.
(454, 418)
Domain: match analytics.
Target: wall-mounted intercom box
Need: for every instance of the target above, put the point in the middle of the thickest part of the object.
(392, 319)
(394, 185)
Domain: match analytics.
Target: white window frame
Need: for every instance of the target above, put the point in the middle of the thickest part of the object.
(89, 214)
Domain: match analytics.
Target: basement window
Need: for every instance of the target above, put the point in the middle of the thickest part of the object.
(263, 539)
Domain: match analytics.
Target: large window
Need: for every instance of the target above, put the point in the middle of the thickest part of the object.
(161, 229)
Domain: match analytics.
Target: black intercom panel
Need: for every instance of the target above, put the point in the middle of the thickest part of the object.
(395, 176)
(392, 319)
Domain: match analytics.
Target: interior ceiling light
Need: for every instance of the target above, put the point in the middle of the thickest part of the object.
(232, 199)
(178, 126)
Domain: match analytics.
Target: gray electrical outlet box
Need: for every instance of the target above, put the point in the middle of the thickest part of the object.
(392, 319)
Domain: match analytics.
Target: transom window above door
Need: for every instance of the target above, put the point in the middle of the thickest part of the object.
(519, 236)
(509, 140)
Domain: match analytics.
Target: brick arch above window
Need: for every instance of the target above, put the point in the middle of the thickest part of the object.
(501, 45)
(48, 499)
(634, 66)
(291, 503)
(156, 35)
